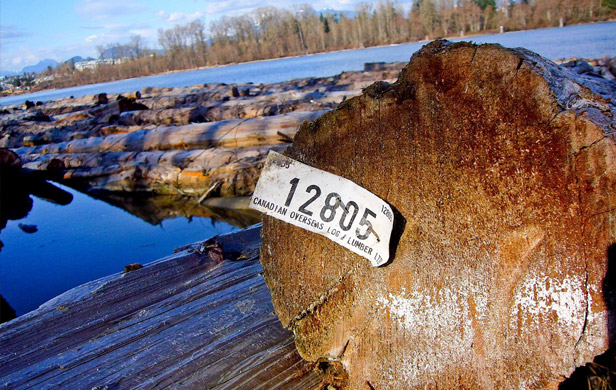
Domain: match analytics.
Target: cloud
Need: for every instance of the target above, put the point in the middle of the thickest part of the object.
(92, 38)
(147, 33)
(10, 33)
(108, 9)
(20, 61)
(217, 9)
(19, 57)
(119, 32)
(112, 33)
(236, 8)
(179, 17)
(92, 27)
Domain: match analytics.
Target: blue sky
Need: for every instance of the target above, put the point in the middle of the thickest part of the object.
(59, 29)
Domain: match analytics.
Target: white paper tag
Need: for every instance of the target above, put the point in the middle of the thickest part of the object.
(326, 204)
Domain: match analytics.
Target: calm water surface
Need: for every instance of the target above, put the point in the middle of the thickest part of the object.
(587, 41)
(89, 238)
(83, 241)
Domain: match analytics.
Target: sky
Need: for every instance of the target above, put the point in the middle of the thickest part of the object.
(33, 30)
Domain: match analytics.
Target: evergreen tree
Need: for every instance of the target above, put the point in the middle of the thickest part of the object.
(484, 3)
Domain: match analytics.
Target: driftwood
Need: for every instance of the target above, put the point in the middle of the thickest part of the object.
(166, 117)
(231, 133)
(170, 160)
(185, 172)
(201, 318)
(114, 143)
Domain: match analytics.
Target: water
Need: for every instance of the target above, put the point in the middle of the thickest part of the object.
(587, 41)
(83, 241)
(89, 238)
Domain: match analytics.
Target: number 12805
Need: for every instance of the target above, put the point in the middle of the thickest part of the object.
(329, 210)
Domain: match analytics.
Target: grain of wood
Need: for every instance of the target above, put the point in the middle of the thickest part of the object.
(180, 322)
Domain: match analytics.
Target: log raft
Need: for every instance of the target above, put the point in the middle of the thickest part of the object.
(200, 318)
(174, 141)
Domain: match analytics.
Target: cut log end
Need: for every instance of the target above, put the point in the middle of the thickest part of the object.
(508, 207)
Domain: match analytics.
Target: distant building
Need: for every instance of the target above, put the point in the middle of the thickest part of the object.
(92, 64)
(82, 65)
(39, 80)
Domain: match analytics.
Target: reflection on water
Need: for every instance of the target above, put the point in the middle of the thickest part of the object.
(156, 208)
(16, 203)
(79, 238)
(15, 200)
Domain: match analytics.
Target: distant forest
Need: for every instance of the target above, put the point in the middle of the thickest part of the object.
(272, 33)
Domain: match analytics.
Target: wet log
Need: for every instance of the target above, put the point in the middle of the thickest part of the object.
(183, 321)
(501, 169)
(186, 172)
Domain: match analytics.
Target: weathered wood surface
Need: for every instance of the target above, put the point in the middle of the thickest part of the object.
(191, 320)
(501, 168)
(228, 133)
(172, 159)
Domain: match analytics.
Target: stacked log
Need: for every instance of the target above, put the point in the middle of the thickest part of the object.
(202, 140)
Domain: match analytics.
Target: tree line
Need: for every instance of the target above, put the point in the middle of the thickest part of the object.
(272, 33)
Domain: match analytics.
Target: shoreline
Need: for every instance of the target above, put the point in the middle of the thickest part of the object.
(218, 314)
(197, 147)
(452, 37)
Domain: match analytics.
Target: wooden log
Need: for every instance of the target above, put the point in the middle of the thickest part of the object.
(165, 117)
(182, 321)
(232, 133)
(501, 168)
(87, 132)
(187, 172)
